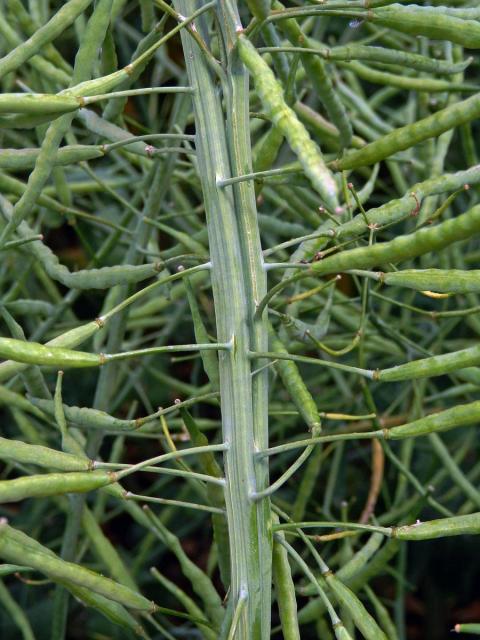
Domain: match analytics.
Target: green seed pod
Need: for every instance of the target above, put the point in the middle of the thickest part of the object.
(473, 628)
(394, 56)
(295, 386)
(404, 247)
(285, 590)
(259, 8)
(356, 563)
(53, 484)
(64, 17)
(15, 545)
(438, 280)
(29, 307)
(360, 616)
(86, 417)
(38, 103)
(431, 22)
(458, 416)
(410, 135)
(18, 451)
(286, 121)
(317, 73)
(431, 85)
(22, 159)
(111, 610)
(201, 583)
(12, 399)
(430, 367)
(442, 528)
(35, 353)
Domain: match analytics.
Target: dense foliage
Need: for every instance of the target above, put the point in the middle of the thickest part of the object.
(239, 319)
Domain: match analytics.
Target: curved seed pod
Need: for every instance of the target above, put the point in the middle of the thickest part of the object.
(431, 22)
(442, 528)
(458, 416)
(42, 559)
(286, 121)
(295, 386)
(430, 367)
(439, 280)
(410, 135)
(19, 451)
(86, 417)
(102, 278)
(64, 17)
(35, 353)
(317, 73)
(53, 484)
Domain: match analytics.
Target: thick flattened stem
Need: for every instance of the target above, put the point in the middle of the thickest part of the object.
(232, 297)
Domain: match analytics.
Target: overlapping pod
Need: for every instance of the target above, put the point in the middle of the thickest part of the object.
(405, 137)
(401, 248)
(15, 545)
(392, 211)
(431, 22)
(318, 74)
(201, 583)
(110, 609)
(65, 16)
(286, 121)
(404, 247)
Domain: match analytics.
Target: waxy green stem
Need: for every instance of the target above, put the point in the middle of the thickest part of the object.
(236, 267)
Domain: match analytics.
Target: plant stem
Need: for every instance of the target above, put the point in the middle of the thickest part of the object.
(238, 283)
